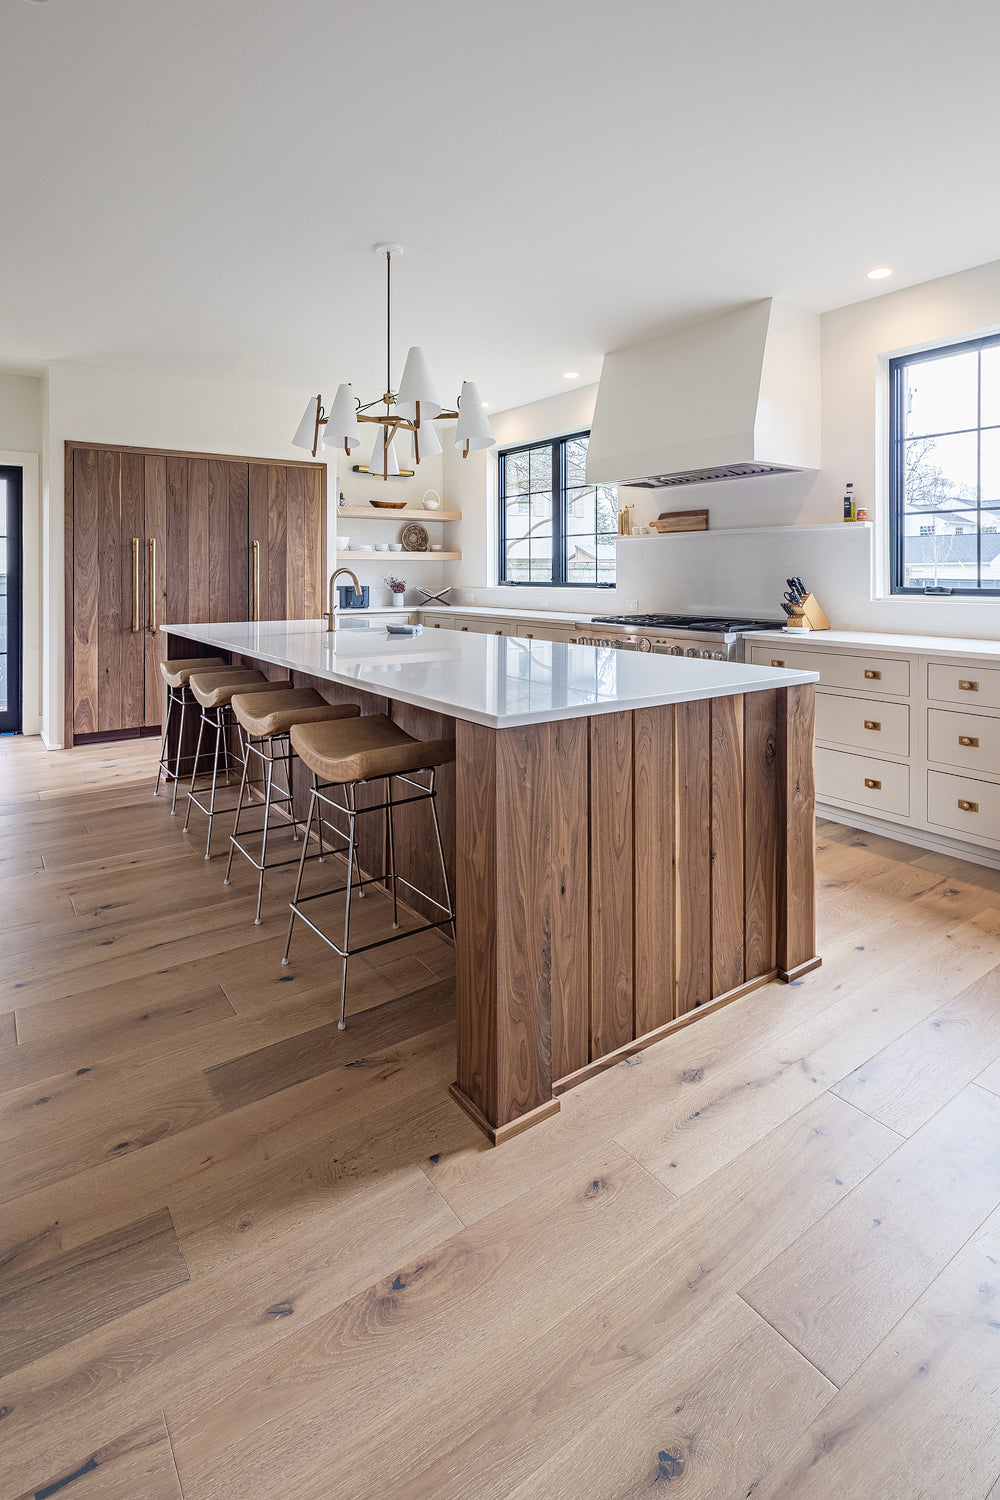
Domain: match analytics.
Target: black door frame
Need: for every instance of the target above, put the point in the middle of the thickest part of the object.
(11, 716)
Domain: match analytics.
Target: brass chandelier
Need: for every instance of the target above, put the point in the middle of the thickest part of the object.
(412, 409)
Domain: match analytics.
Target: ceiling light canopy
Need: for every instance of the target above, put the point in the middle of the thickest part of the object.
(879, 273)
(411, 409)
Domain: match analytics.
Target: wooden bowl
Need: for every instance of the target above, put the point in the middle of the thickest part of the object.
(388, 504)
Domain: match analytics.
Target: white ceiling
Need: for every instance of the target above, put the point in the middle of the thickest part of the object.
(194, 185)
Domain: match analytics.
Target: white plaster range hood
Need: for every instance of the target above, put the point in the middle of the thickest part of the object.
(732, 398)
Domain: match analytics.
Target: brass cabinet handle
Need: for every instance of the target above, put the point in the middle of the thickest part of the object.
(152, 585)
(967, 806)
(255, 611)
(135, 584)
(873, 676)
(498, 632)
(872, 785)
(464, 627)
(529, 635)
(968, 687)
(969, 740)
(873, 724)
(776, 663)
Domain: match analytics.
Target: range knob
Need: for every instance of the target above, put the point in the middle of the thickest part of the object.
(693, 651)
(677, 651)
(644, 643)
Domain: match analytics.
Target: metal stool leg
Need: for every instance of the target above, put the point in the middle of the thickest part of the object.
(185, 693)
(263, 843)
(298, 879)
(351, 859)
(194, 770)
(163, 744)
(239, 810)
(391, 847)
(219, 716)
(444, 867)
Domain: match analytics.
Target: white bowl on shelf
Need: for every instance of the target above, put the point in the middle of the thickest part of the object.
(395, 546)
(365, 547)
(435, 547)
(381, 546)
(343, 543)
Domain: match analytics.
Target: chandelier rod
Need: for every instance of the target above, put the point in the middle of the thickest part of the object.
(388, 320)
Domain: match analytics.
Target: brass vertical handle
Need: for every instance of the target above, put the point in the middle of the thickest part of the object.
(135, 585)
(255, 611)
(152, 585)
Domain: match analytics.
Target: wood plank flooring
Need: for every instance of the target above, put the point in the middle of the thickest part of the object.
(242, 1253)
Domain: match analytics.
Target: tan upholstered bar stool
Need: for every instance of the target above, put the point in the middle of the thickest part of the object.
(266, 720)
(214, 692)
(343, 757)
(176, 675)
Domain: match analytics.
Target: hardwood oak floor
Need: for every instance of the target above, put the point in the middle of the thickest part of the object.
(244, 1254)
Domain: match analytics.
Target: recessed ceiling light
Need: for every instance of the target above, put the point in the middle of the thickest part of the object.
(486, 403)
(879, 273)
(571, 375)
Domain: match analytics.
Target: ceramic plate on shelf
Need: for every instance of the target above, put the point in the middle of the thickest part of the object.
(414, 537)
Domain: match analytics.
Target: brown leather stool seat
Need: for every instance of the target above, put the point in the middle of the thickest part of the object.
(177, 673)
(276, 713)
(214, 689)
(266, 719)
(341, 755)
(366, 748)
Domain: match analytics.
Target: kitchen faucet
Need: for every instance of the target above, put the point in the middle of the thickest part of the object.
(332, 614)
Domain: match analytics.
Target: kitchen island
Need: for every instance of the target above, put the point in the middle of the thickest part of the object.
(631, 835)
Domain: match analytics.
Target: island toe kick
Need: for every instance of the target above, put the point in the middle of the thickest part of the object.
(618, 877)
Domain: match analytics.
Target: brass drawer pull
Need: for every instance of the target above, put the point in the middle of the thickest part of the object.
(776, 663)
(529, 635)
(872, 785)
(967, 806)
(872, 675)
(970, 740)
(498, 632)
(873, 724)
(464, 627)
(968, 687)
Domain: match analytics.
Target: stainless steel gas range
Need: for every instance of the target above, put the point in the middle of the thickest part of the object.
(715, 638)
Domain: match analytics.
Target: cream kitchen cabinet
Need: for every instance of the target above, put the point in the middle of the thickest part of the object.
(907, 734)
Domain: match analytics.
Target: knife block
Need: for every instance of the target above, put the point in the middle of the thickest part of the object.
(808, 616)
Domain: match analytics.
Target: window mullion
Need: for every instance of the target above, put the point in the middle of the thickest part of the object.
(558, 517)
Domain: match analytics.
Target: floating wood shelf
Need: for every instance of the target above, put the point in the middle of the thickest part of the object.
(408, 513)
(355, 556)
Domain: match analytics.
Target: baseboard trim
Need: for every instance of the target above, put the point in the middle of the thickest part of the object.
(497, 1134)
(50, 744)
(920, 838)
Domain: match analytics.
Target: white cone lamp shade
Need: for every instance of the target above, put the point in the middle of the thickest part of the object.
(342, 423)
(417, 385)
(473, 424)
(305, 433)
(425, 440)
(383, 460)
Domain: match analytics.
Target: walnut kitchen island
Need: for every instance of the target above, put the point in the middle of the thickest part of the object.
(631, 835)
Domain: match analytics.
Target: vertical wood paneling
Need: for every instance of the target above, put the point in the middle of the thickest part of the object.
(177, 592)
(109, 606)
(199, 577)
(220, 540)
(274, 604)
(654, 867)
(611, 886)
(295, 544)
(570, 978)
(86, 590)
(155, 511)
(239, 540)
(693, 774)
(727, 844)
(314, 545)
(760, 759)
(133, 642)
(476, 895)
(796, 871)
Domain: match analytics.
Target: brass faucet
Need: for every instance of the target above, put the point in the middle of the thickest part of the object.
(332, 614)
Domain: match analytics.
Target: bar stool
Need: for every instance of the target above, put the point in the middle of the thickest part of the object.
(346, 756)
(176, 674)
(266, 720)
(214, 691)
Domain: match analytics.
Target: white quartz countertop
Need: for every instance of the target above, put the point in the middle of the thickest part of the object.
(499, 681)
(509, 612)
(862, 640)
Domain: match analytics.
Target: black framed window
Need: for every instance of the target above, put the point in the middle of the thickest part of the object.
(944, 481)
(10, 600)
(555, 528)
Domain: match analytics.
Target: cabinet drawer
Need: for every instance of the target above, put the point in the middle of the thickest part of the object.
(840, 669)
(881, 786)
(545, 632)
(865, 723)
(972, 687)
(968, 807)
(971, 742)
